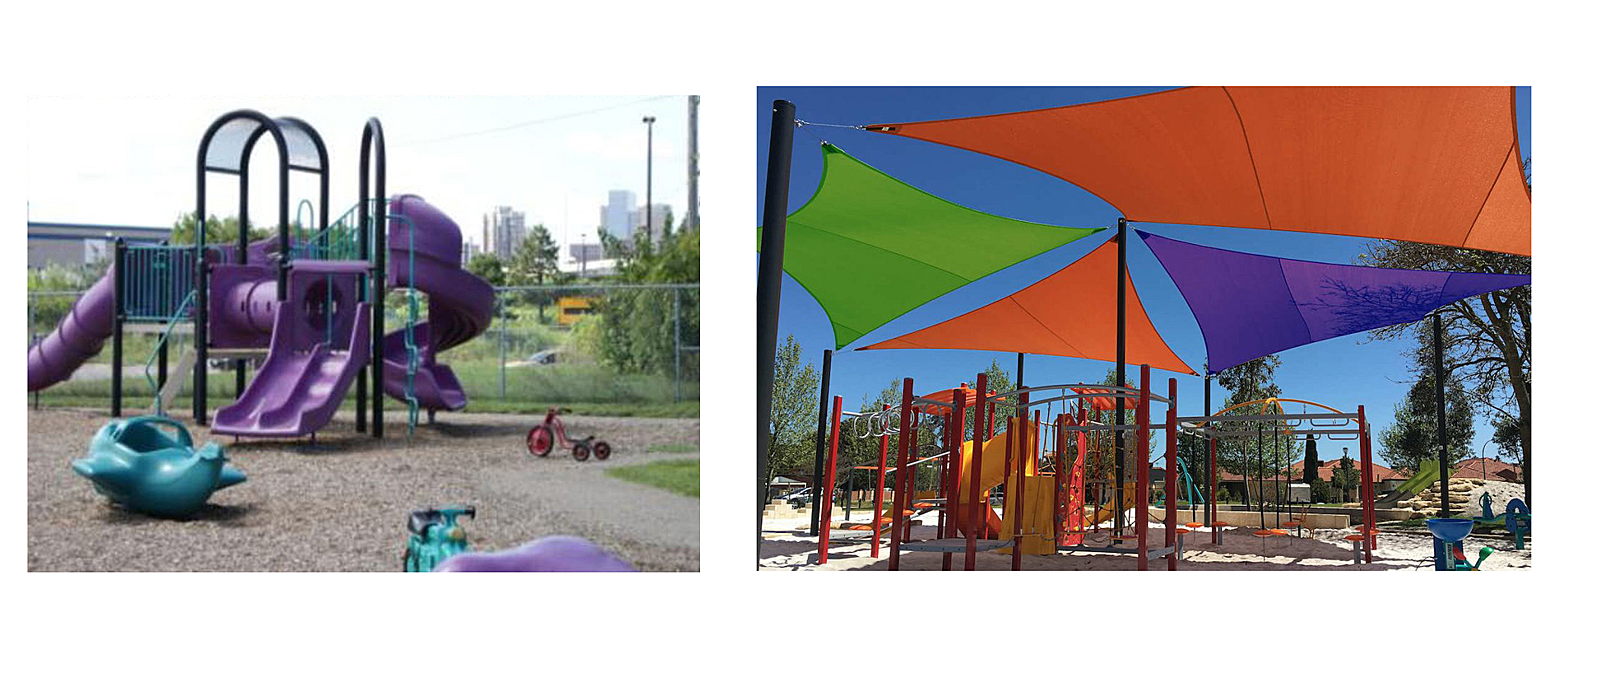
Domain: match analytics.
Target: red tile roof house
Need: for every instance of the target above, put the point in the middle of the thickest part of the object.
(1386, 479)
(1488, 469)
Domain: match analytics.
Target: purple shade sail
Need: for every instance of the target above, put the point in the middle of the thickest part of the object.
(1252, 305)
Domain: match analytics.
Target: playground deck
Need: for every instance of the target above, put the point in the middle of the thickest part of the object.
(341, 504)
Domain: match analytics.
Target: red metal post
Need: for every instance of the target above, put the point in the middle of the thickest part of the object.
(877, 500)
(900, 476)
(1369, 510)
(1141, 518)
(829, 475)
(975, 518)
(1172, 474)
(1057, 515)
(1025, 456)
(951, 494)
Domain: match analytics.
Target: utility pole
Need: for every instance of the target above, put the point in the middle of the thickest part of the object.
(693, 220)
(649, 172)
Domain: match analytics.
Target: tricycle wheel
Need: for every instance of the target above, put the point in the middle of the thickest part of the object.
(602, 450)
(580, 452)
(540, 440)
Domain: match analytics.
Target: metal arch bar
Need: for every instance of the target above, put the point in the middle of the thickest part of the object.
(1221, 419)
(1112, 392)
(264, 125)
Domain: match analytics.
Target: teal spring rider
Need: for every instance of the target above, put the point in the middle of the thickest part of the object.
(145, 469)
(435, 536)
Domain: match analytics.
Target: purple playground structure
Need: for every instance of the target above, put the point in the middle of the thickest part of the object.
(308, 317)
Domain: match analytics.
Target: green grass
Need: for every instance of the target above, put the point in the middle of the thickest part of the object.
(674, 448)
(678, 476)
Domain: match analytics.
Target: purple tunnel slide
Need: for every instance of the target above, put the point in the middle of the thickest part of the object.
(316, 339)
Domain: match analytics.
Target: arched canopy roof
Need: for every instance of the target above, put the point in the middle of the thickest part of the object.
(226, 146)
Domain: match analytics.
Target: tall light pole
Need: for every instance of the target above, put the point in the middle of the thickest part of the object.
(694, 163)
(583, 255)
(649, 169)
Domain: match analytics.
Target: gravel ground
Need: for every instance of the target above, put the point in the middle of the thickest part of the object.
(341, 504)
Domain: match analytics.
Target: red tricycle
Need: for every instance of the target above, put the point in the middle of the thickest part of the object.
(545, 436)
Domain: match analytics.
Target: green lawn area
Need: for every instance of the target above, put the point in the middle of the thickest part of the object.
(678, 476)
(675, 447)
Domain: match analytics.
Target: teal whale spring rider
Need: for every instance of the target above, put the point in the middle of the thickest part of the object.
(145, 469)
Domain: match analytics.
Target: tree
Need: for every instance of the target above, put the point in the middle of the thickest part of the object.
(1346, 477)
(536, 261)
(1487, 337)
(224, 231)
(1507, 439)
(1414, 435)
(487, 266)
(638, 328)
(1260, 459)
(790, 441)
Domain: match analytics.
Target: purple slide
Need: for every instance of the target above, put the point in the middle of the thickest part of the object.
(319, 342)
(79, 337)
(460, 305)
(316, 338)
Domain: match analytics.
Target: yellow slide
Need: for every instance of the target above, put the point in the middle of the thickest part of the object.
(1039, 519)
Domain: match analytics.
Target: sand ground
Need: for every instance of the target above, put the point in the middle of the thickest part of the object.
(341, 504)
(786, 547)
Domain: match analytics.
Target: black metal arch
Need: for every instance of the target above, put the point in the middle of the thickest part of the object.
(374, 189)
(300, 148)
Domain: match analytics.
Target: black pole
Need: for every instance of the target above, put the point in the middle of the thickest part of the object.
(201, 346)
(373, 155)
(1438, 399)
(1211, 494)
(769, 286)
(817, 472)
(241, 253)
(119, 262)
(1022, 412)
(1122, 365)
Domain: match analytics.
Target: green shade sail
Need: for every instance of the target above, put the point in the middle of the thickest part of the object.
(870, 247)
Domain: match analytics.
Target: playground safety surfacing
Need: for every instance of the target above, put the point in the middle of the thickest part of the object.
(341, 504)
(785, 546)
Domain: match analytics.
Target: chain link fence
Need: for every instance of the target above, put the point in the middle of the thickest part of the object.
(601, 344)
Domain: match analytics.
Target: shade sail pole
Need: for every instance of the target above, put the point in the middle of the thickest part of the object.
(1438, 399)
(1122, 364)
(822, 441)
(769, 286)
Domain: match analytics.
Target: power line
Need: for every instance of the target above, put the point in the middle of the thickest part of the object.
(533, 122)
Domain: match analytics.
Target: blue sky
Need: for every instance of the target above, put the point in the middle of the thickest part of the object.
(1343, 372)
(553, 157)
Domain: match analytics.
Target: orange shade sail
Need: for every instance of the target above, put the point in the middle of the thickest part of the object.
(1436, 165)
(1063, 314)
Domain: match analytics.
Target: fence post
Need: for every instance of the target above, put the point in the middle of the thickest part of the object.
(119, 262)
(677, 353)
(500, 303)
